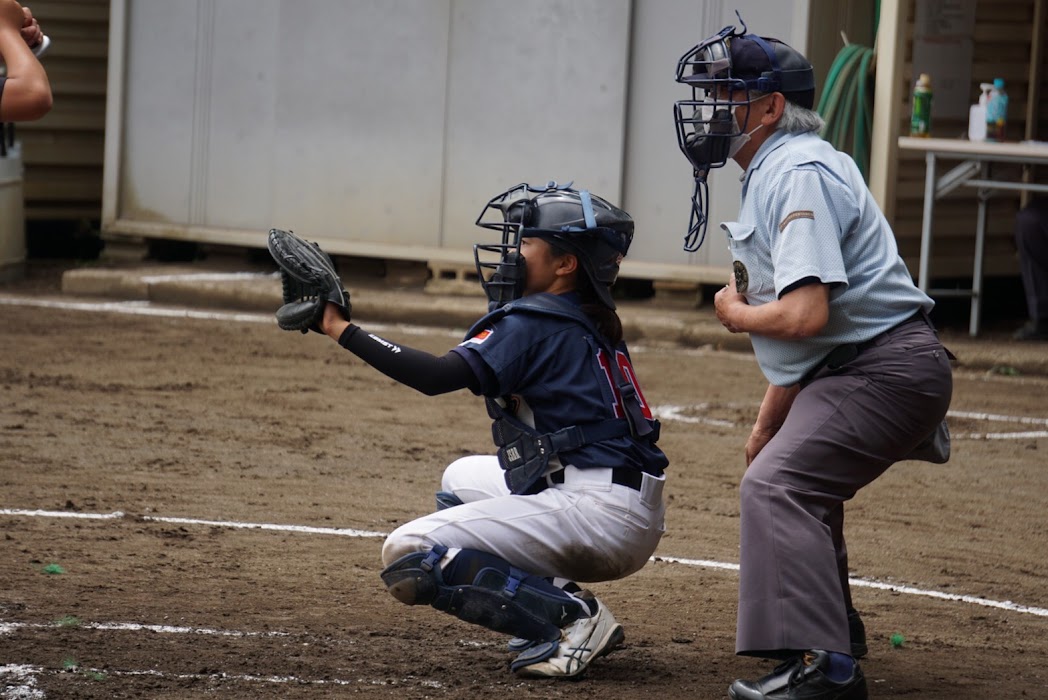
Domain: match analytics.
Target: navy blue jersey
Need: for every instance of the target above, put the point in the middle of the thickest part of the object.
(557, 376)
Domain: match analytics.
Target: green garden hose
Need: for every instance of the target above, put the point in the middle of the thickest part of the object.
(846, 104)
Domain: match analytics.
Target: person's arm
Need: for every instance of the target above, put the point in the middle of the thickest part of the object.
(799, 313)
(419, 370)
(772, 414)
(27, 92)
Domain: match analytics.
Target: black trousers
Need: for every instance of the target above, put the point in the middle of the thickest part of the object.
(1031, 238)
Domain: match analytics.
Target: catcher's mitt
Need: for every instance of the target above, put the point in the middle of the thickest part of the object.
(309, 281)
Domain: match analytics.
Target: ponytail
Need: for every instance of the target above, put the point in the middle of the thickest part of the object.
(605, 319)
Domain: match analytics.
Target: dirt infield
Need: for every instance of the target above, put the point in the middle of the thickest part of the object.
(194, 432)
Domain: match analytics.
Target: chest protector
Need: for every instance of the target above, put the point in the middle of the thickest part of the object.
(523, 452)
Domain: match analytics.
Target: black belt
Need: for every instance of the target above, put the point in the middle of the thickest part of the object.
(619, 475)
(843, 354)
(918, 316)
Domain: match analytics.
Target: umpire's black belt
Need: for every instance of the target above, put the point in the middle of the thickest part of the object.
(843, 354)
(623, 476)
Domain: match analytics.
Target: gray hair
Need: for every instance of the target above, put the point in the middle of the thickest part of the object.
(798, 120)
(795, 119)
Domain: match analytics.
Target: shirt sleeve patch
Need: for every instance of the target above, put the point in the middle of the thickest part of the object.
(793, 216)
(479, 338)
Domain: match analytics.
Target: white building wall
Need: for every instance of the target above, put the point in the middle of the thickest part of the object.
(381, 127)
(658, 177)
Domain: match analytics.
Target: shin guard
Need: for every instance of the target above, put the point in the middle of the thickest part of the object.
(500, 601)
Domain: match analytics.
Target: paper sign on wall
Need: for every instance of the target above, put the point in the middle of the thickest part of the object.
(943, 39)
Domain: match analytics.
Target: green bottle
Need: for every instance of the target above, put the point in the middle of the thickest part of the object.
(921, 119)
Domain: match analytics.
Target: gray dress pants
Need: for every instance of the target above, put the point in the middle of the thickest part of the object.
(845, 428)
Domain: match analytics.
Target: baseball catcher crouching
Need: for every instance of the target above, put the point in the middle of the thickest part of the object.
(574, 490)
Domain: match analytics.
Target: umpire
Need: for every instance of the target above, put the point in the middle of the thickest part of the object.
(857, 375)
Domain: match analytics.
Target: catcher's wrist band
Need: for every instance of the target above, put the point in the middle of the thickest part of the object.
(343, 339)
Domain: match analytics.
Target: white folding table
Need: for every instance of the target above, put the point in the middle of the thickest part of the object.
(973, 171)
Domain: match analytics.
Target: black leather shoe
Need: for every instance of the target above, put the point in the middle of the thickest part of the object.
(802, 678)
(857, 633)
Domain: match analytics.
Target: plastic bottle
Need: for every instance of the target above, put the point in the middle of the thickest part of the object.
(977, 114)
(921, 119)
(996, 111)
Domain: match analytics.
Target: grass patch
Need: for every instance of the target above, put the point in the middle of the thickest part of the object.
(73, 666)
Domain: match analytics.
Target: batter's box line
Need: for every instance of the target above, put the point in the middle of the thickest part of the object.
(119, 515)
(1000, 418)
(880, 585)
(345, 532)
(681, 415)
(677, 413)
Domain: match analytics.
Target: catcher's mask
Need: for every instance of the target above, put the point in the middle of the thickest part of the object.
(596, 232)
(727, 72)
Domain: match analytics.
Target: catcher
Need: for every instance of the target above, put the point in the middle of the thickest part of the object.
(574, 493)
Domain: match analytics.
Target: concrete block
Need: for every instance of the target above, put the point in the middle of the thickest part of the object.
(453, 278)
(406, 273)
(678, 294)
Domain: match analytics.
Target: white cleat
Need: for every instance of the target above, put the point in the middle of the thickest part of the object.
(581, 642)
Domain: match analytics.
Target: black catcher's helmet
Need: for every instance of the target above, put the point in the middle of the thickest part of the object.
(596, 232)
(722, 70)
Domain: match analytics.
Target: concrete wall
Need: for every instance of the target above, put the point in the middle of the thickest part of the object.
(381, 127)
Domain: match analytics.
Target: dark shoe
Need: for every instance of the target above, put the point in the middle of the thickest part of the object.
(857, 633)
(1033, 330)
(802, 678)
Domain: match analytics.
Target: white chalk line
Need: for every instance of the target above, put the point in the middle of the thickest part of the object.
(138, 308)
(8, 627)
(1031, 435)
(26, 675)
(145, 308)
(344, 532)
(998, 418)
(677, 413)
(704, 563)
(882, 586)
(682, 414)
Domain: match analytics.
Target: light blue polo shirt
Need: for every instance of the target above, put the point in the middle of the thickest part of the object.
(806, 212)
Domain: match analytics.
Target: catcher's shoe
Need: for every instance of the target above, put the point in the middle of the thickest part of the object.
(802, 678)
(580, 643)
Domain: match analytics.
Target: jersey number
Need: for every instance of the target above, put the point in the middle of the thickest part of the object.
(627, 372)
